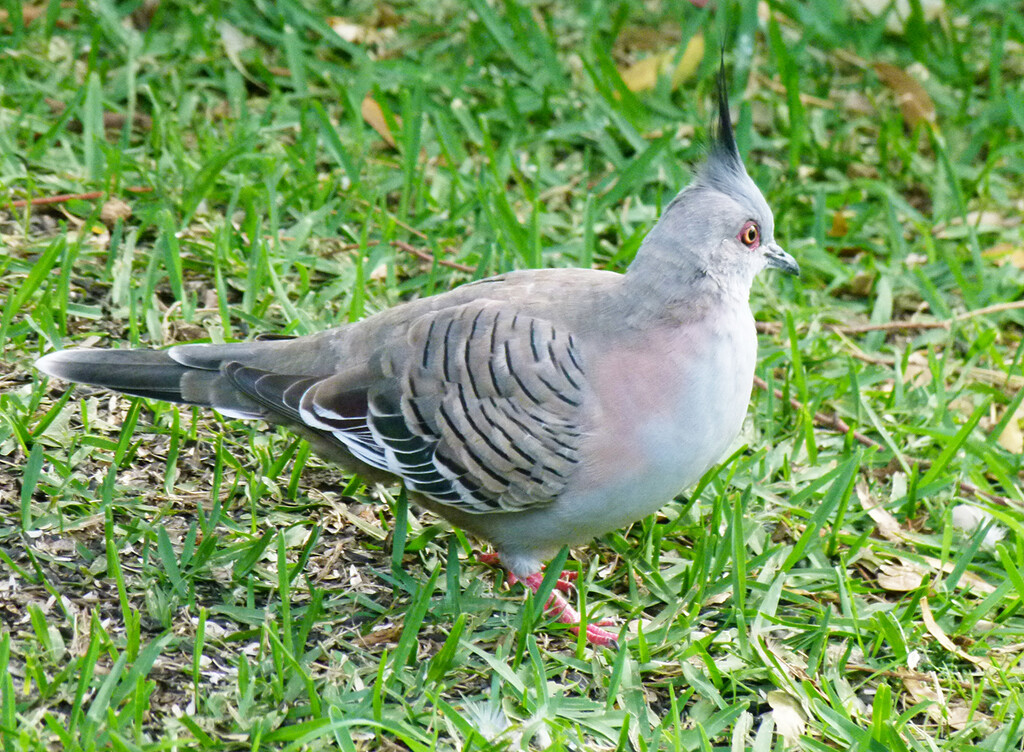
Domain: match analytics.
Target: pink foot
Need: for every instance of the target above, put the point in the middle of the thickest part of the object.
(557, 606)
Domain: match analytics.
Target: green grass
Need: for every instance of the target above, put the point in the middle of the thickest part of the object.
(171, 579)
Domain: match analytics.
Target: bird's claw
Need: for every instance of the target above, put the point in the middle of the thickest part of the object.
(557, 606)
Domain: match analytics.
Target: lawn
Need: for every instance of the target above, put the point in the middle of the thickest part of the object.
(850, 577)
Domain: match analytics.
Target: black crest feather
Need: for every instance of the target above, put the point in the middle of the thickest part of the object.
(723, 142)
(723, 170)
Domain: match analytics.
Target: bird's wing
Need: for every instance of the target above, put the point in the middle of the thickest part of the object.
(478, 406)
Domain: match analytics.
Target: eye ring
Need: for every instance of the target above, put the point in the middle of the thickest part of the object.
(750, 235)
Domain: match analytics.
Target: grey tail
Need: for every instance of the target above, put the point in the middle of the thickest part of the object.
(154, 374)
(142, 373)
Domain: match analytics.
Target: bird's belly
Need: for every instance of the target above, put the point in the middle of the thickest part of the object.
(672, 419)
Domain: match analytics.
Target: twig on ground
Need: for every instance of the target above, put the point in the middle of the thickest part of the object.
(997, 308)
(111, 120)
(427, 256)
(410, 229)
(887, 326)
(65, 197)
(832, 422)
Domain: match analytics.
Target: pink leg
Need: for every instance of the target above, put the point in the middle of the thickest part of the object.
(557, 606)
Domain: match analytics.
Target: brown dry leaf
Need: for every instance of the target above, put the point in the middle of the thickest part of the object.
(921, 692)
(793, 664)
(888, 526)
(854, 102)
(374, 117)
(360, 33)
(789, 716)
(958, 715)
(989, 220)
(915, 104)
(962, 405)
(113, 210)
(985, 221)
(718, 599)
(954, 713)
(861, 170)
(348, 29)
(646, 39)
(386, 634)
(369, 527)
(29, 13)
(111, 120)
(860, 284)
(918, 373)
(943, 639)
(182, 331)
(997, 378)
(967, 579)
(234, 43)
(897, 578)
(643, 75)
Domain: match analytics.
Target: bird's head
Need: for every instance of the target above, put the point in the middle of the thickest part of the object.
(719, 227)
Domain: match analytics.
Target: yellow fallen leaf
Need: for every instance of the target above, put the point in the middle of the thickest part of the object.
(1005, 253)
(943, 639)
(689, 62)
(1012, 438)
(643, 74)
(914, 103)
(840, 225)
(374, 117)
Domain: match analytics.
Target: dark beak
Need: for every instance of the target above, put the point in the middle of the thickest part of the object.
(779, 259)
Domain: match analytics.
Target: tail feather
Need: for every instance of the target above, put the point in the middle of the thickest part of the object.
(153, 374)
(145, 373)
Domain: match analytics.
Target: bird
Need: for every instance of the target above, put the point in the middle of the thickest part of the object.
(535, 409)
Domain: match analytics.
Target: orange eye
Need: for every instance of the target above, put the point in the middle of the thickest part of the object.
(750, 235)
